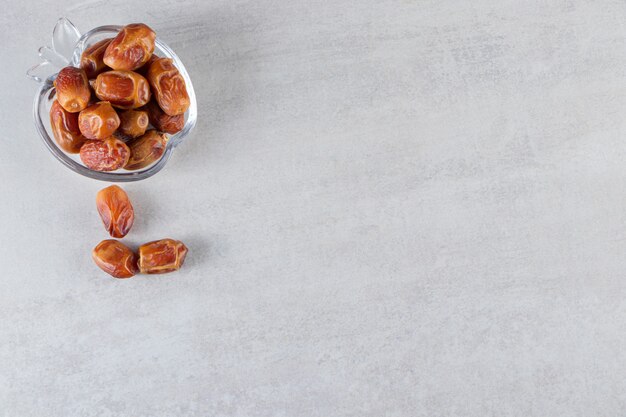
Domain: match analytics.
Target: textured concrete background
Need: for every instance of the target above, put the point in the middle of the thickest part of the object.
(394, 208)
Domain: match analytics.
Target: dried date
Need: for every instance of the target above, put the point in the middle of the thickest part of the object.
(146, 149)
(133, 123)
(65, 128)
(161, 256)
(131, 48)
(104, 155)
(72, 89)
(168, 87)
(163, 121)
(123, 89)
(98, 121)
(115, 258)
(115, 210)
(92, 58)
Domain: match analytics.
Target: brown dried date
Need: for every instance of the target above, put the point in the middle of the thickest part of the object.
(131, 48)
(65, 128)
(161, 256)
(115, 210)
(98, 121)
(124, 89)
(163, 121)
(115, 258)
(72, 89)
(133, 123)
(146, 149)
(168, 86)
(91, 61)
(104, 155)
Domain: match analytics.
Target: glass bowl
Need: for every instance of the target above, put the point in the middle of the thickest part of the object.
(67, 47)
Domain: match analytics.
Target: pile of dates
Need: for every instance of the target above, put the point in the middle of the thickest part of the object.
(118, 260)
(116, 110)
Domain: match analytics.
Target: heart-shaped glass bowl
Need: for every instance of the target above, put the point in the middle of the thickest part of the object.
(67, 46)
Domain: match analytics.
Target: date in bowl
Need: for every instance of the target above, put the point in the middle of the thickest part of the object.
(67, 47)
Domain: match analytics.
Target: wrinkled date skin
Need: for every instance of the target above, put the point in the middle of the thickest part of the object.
(98, 121)
(104, 155)
(146, 149)
(131, 48)
(161, 256)
(124, 89)
(163, 121)
(168, 87)
(115, 258)
(115, 210)
(65, 128)
(72, 89)
(92, 59)
(133, 123)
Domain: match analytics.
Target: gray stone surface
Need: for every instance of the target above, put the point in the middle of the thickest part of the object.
(393, 208)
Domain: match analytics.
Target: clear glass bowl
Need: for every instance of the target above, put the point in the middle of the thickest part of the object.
(67, 47)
